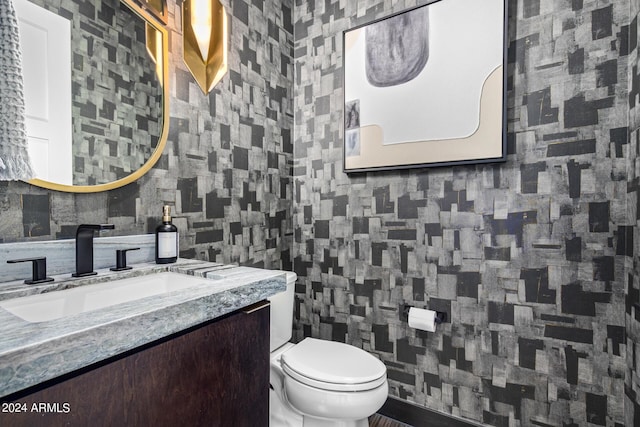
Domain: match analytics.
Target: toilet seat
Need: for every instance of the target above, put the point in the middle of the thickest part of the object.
(333, 366)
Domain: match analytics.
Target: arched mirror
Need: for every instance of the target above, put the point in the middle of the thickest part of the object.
(96, 89)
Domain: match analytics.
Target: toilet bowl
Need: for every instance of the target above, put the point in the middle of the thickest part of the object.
(321, 383)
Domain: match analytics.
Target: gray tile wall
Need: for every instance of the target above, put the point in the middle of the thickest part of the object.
(529, 258)
(632, 284)
(226, 166)
(532, 259)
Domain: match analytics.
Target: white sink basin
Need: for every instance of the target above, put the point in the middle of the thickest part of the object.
(58, 304)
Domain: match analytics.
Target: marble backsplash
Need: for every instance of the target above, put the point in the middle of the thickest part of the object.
(61, 254)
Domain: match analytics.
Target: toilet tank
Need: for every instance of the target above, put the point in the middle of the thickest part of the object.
(281, 326)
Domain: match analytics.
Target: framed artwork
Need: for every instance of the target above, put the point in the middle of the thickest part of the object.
(426, 87)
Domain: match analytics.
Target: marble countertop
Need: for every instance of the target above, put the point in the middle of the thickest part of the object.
(31, 353)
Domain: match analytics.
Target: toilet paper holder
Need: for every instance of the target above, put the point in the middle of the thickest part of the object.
(441, 316)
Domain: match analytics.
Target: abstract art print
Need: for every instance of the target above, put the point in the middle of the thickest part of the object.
(426, 87)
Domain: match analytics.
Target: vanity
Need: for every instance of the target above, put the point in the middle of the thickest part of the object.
(196, 355)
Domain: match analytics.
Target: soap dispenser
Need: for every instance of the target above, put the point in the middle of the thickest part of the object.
(166, 239)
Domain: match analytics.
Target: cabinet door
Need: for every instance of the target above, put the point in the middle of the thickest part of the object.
(216, 374)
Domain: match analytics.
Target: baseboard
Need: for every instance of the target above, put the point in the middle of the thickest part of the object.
(418, 416)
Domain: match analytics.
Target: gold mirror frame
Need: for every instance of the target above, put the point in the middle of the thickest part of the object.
(158, 54)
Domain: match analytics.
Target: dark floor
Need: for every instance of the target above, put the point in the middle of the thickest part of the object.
(378, 420)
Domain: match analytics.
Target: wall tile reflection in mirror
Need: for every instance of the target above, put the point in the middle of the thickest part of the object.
(93, 96)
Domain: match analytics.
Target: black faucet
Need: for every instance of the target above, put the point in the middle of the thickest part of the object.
(84, 248)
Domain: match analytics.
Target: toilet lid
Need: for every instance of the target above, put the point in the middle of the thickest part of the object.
(332, 365)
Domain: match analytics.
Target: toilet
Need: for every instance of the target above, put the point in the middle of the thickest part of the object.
(319, 383)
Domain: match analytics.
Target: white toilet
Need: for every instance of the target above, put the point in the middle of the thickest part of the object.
(317, 382)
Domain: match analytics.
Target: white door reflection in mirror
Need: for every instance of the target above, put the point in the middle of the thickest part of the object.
(46, 64)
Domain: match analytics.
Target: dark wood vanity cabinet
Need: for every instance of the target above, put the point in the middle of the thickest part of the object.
(216, 374)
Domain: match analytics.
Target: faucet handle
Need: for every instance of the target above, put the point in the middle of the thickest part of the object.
(95, 227)
(39, 270)
(121, 259)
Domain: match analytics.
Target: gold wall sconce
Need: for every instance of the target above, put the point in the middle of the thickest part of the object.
(204, 26)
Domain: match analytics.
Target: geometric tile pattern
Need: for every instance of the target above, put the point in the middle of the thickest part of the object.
(226, 168)
(533, 259)
(631, 234)
(529, 258)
